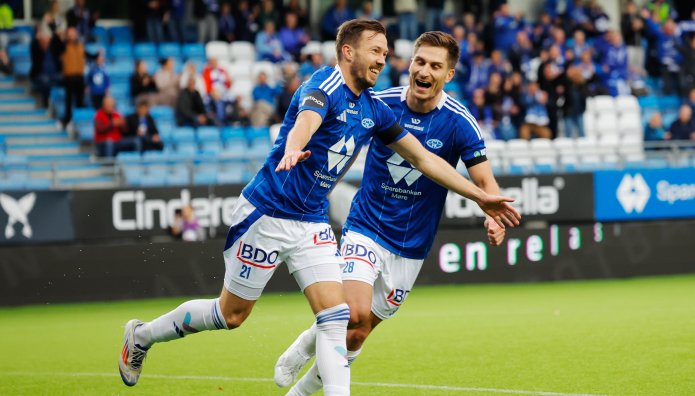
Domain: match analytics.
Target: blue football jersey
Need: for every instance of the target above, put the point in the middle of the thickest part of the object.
(396, 205)
(349, 121)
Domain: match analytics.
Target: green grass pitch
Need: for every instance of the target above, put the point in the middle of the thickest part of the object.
(623, 337)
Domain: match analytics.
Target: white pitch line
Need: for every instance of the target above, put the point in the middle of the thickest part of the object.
(252, 379)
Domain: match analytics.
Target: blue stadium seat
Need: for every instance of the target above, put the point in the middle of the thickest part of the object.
(22, 67)
(208, 134)
(155, 157)
(169, 50)
(648, 102)
(233, 134)
(194, 51)
(83, 121)
(120, 51)
(205, 176)
(543, 168)
(152, 181)
(162, 112)
(178, 179)
(187, 148)
(231, 175)
(100, 34)
(121, 34)
(235, 150)
(9, 185)
(669, 102)
(129, 157)
(38, 184)
(94, 48)
(18, 51)
(145, 51)
(211, 148)
(184, 134)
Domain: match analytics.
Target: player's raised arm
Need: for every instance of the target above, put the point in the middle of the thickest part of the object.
(304, 128)
(434, 167)
(481, 174)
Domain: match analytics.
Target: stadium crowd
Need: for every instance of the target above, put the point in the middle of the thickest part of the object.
(520, 78)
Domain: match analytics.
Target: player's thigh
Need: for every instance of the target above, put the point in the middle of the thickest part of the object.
(315, 263)
(252, 253)
(358, 296)
(393, 285)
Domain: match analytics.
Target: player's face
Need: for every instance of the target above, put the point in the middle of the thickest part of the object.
(429, 71)
(369, 59)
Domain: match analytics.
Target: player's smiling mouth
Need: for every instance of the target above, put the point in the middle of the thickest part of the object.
(423, 83)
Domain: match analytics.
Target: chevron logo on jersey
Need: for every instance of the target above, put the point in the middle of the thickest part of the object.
(400, 169)
(340, 153)
(342, 117)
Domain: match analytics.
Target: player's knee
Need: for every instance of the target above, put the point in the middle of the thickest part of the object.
(234, 320)
(358, 318)
(356, 337)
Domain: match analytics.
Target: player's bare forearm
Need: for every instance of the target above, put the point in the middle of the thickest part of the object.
(304, 128)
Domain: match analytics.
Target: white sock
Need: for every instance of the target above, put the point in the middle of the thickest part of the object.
(311, 382)
(307, 342)
(331, 352)
(190, 317)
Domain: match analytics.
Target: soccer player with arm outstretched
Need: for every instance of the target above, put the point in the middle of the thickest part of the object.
(396, 212)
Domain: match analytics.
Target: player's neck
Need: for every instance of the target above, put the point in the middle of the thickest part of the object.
(349, 79)
(422, 106)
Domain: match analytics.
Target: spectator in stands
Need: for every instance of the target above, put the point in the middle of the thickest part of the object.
(398, 74)
(246, 22)
(53, 21)
(512, 113)
(6, 23)
(576, 99)
(578, 16)
(285, 98)
(551, 80)
(215, 76)
(292, 37)
(206, 13)
(154, 12)
(167, 82)
(174, 17)
(225, 110)
(654, 130)
(579, 44)
(407, 21)
(296, 8)
(632, 29)
(536, 120)
(190, 71)
(46, 67)
(684, 127)
(688, 53)
(483, 114)
(448, 23)
(141, 129)
(480, 73)
(190, 109)
(433, 13)
(109, 127)
(74, 60)
(668, 43)
(98, 81)
(615, 67)
(190, 229)
(691, 99)
(494, 95)
(268, 13)
(313, 62)
(506, 26)
(268, 45)
(5, 63)
(176, 226)
(600, 21)
(263, 110)
(498, 64)
(367, 11)
(227, 24)
(661, 9)
(521, 53)
(338, 13)
(142, 85)
(541, 33)
(81, 19)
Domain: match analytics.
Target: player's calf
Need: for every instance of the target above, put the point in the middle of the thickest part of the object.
(331, 351)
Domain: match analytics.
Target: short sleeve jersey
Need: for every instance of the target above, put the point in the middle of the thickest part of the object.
(396, 205)
(349, 121)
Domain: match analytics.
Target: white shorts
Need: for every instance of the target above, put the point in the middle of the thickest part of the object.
(257, 244)
(391, 275)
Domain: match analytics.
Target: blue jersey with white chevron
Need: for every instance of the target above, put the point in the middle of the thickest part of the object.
(396, 205)
(349, 121)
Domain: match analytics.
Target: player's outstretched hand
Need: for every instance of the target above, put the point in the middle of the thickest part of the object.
(291, 158)
(495, 233)
(498, 207)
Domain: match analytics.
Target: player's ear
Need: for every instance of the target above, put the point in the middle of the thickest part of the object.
(347, 52)
(450, 74)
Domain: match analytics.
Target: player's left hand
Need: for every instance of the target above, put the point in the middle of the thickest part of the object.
(291, 158)
(499, 209)
(495, 233)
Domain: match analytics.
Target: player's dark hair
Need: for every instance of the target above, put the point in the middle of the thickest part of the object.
(442, 40)
(349, 33)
